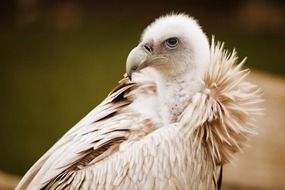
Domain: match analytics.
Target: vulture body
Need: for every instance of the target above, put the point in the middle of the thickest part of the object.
(179, 115)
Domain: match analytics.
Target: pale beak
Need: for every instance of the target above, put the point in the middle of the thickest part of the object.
(138, 59)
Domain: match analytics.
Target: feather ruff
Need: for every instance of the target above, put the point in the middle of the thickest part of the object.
(221, 117)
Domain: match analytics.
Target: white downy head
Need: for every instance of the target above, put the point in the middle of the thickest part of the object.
(177, 49)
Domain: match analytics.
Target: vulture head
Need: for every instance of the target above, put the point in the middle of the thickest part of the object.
(175, 46)
(177, 51)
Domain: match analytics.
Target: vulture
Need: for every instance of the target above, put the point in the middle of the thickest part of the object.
(179, 114)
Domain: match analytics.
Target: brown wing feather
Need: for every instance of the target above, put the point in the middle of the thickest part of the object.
(99, 131)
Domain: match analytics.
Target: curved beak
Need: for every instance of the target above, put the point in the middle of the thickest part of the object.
(137, 59)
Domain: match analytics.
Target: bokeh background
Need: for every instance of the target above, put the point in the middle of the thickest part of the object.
(60, 58)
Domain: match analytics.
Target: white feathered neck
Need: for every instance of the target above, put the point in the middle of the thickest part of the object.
(169, 96)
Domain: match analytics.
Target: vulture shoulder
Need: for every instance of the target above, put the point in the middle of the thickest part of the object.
(95, 137)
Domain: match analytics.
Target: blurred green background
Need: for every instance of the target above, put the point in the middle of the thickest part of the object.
(59, 59)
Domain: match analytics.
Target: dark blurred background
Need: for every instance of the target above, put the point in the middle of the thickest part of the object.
(60, 58)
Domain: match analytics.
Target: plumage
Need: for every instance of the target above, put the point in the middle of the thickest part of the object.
(181, 113)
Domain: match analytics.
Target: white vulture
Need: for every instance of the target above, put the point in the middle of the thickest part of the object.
(179, 114)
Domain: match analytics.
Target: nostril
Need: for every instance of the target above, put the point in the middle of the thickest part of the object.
(147, 47)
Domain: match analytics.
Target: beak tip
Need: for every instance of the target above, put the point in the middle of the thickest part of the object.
(131, 70)
(135, 61)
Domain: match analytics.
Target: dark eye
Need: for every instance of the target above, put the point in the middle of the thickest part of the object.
(171, 43)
